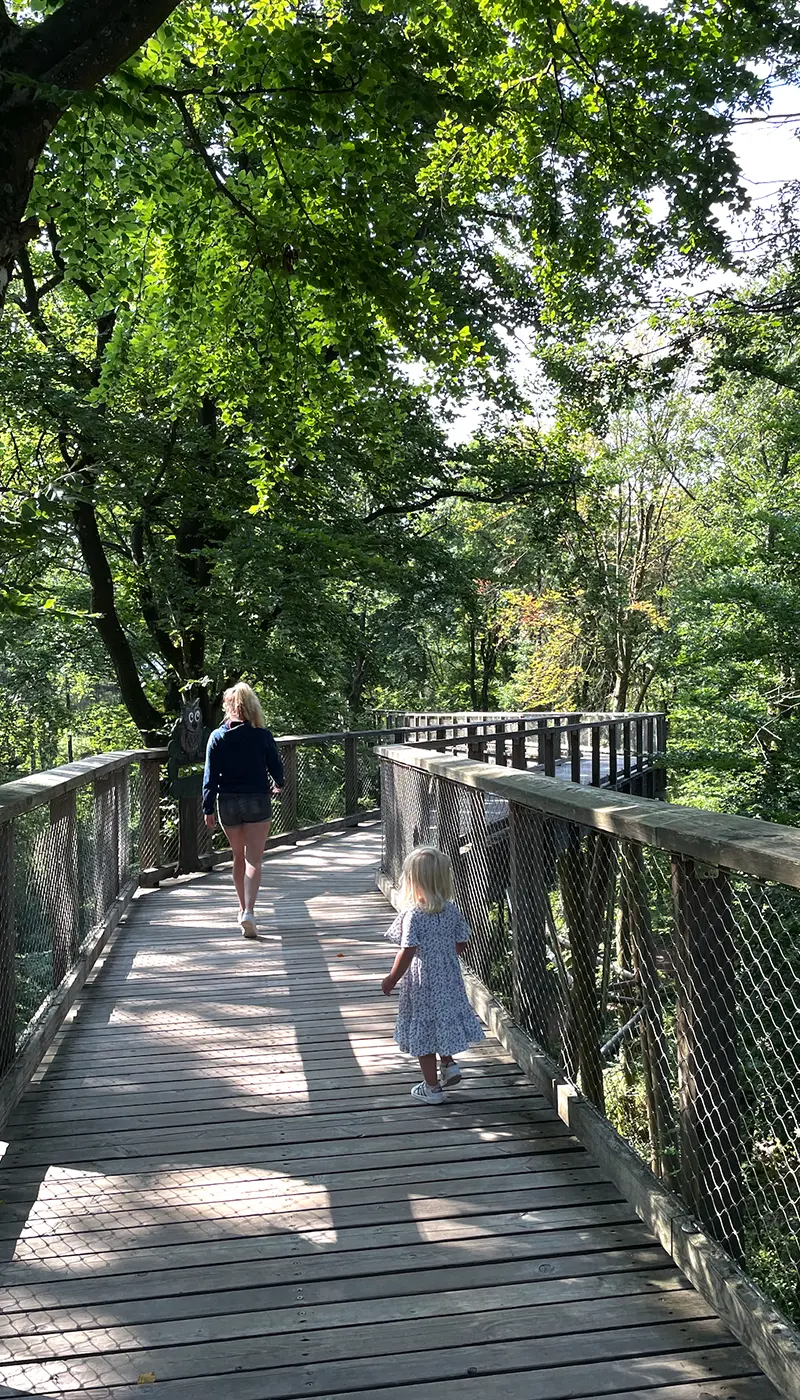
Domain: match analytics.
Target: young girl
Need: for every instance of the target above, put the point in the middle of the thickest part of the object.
(434, 1016)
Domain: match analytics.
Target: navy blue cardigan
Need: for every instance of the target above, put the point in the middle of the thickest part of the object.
(239, 759)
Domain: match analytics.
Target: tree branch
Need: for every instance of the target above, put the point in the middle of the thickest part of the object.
(446, 493)
(84, 40)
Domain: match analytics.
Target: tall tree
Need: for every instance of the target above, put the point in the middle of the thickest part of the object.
(43, 67)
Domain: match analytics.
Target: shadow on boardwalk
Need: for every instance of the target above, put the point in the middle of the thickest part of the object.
(221, 1188)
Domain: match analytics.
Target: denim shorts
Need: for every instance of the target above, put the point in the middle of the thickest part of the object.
(239, 808)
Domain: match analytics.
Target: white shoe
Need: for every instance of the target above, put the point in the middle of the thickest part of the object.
(426, 1093)
(450, 1075)
(247, 923)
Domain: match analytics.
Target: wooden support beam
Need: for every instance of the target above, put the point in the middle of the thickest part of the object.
(709, 1087)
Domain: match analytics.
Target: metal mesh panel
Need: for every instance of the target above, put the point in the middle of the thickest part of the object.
(667, 991)
(33, 912)
(368, 779)
(69, 860)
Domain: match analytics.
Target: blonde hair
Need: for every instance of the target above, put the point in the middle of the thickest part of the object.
(241, 702)
(427, 880)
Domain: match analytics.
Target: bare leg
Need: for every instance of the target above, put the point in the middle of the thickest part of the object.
(427, 1064)
(236, 839)
(256, 834)
(447, 1059)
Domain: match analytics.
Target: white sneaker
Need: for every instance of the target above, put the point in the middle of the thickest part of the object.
(450, 1075)
(247, 923)
(426, 1093)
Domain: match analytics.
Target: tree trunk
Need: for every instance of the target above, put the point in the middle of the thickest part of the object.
(73, 49)
(144, 715)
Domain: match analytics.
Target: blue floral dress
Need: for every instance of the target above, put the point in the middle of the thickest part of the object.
(434, 1015)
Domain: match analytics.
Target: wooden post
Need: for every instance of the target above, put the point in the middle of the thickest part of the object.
(106, 846)
(575, 753)
(189, 817)
(541, 742)
(291, 788)
(635, 901)
(350, 780)
(550, 751)
(595, 755)
(62, 878)
(8, 948)
(500, 745)
(149, 814)
(518, 756)
(660, 775)
(612, 754)
(708, 1055)
(528, 866)
(626, 751)
(582, 878)
(475, 746)
(441, 740)
(122, 811)
(476, 883)
(639, 727)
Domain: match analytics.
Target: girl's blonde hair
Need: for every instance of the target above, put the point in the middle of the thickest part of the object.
(241, 702)
(427, 880)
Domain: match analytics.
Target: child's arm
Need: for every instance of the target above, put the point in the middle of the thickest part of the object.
(401, 964)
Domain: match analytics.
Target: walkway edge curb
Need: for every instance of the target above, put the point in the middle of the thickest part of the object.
(753, 1319)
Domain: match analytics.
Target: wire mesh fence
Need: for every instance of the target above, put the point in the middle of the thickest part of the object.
(666, 989)
(66, 859)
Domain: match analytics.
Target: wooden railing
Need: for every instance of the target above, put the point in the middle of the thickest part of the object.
(622, 751)
(649, 957)
(76, 841)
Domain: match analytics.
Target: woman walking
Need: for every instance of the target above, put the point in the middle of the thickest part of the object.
(240, 759)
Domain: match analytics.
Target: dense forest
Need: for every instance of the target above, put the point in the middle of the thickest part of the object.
(260, 259)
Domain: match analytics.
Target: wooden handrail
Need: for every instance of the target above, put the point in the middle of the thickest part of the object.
(744, 844)
(23, 794)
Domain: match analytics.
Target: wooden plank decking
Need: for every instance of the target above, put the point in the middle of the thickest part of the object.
(218, 1187)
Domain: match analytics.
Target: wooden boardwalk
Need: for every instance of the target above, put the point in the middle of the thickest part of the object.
(219, 1189)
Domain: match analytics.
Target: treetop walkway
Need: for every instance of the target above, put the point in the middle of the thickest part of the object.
(214, 1182)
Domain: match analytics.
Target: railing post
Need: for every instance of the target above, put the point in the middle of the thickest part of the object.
(500, 745)
(474, 746)
(550, 751)
(189, 818)
(635, 904)
(122, 811)
(106, 846)
(527, 895)
(574, 749)
(518, 756)
(612, 754)
(8, 948)
(595, 731)
(708, 1058)
(476, 870)
(441, 740)
(660, 785)
(626, 752)
(291, 788)
(541, 742)
(350, 780)
(63, 881)
(149, 814)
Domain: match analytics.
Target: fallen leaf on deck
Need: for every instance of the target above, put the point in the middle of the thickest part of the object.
(146, 1378)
